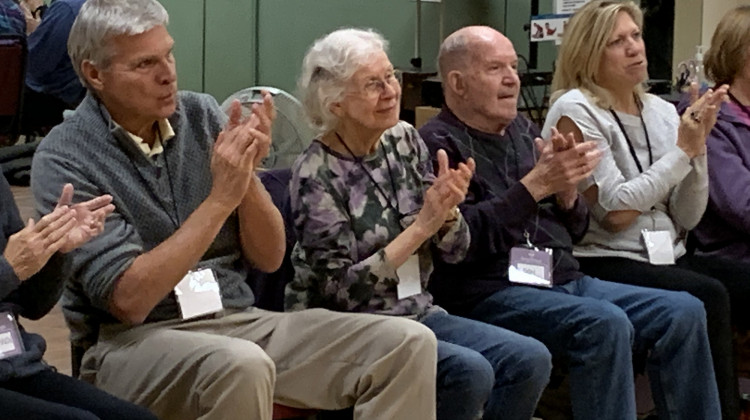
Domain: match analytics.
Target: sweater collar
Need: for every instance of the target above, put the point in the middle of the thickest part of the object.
(448, 117)
(91, 105)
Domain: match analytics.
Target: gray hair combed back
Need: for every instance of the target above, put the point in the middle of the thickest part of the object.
(100, 20)
(454, 53)
(328, 65)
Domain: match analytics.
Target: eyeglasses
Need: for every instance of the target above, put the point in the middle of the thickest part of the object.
(375, 87)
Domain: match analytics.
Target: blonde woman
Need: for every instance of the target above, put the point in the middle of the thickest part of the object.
(651, 186)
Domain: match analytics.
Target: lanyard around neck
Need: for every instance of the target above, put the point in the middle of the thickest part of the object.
(630, 143)
(359, 161)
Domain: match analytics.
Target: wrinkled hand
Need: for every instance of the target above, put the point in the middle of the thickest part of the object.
(233, 162)
(562, 164)
(565, 198)
(29, 249)
(699, 118)
(447, 191)
(263, 114)
(89, 217)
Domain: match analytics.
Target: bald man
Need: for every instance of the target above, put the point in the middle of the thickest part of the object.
(525, 214)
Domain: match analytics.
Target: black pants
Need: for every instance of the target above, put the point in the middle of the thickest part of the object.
(716, 283)
(53, 396)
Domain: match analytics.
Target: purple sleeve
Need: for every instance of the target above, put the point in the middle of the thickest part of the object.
(39, 293)
(729, 175)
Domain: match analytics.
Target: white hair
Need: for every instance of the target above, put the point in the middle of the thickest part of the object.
(100, 20)
(328, 65)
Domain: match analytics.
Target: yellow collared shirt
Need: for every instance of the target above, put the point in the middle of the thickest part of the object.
(165, 128)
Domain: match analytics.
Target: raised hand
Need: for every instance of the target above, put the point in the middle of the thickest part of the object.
(447, 191)
(89, 217)
(233, 162)
(29, 249)
(561, 166)
(699, 118)
(265, 111)
(565, 198)
(261, 118)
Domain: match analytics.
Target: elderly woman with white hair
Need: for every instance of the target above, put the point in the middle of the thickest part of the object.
(370, 217)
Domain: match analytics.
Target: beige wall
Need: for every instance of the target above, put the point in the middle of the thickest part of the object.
(695, 21)
(713, 11)
(688, 20)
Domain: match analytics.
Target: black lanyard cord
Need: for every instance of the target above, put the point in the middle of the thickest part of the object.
(361, 164)
(176, 219)
(630, 144)
(143, 178)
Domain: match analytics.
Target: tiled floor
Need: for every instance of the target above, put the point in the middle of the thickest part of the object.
(51, 327)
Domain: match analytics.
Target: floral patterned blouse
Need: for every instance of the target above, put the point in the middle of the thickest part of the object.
(347, 210)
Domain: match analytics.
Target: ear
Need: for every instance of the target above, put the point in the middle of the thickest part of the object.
(455, 82)
(92, 74)
(336, 109)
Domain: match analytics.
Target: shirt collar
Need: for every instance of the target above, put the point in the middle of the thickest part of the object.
(165, 133)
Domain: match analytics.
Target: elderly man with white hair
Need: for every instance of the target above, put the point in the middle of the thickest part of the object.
(190, 210)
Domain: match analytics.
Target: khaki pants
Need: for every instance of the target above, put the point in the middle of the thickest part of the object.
(237, 365)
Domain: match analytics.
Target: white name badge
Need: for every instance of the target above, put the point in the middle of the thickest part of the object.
(408, 278)
(531, 266)
(659, 247)
(198, 294)
(11, 343)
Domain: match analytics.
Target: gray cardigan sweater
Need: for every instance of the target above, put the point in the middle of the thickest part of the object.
(153, 196)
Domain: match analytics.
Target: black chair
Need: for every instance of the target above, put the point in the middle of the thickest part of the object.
(13, 53)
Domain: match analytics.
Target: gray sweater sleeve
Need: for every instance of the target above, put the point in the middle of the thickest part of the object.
(101, 261)
(689, 199)
(616, 192)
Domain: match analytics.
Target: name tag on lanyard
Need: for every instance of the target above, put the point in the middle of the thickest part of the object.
(11, 343)
(198, 294)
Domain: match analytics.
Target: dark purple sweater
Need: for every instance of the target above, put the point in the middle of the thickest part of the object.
(32, 299)
(724, 230)
(498, 209)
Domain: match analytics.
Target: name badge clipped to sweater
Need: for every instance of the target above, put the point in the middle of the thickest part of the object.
(530, 265)
(408, 278)
(659, 246)
(11, 343)
(198, 294)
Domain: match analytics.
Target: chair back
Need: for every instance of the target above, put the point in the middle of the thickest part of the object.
(13, 54)
(268, 288)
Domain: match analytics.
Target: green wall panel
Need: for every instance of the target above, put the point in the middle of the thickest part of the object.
(186, 27)
(288, 27)
(217, 51)
(230, 46)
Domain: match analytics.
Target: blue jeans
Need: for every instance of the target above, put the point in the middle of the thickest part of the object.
(596, 325)
(483, 367)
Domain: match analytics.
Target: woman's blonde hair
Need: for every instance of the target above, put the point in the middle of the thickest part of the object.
(729, 46)
(583, 43)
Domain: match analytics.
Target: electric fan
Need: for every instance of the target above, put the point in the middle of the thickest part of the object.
(290, 132)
